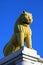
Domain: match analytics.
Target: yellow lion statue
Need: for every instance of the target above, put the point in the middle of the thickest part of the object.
(22, 33)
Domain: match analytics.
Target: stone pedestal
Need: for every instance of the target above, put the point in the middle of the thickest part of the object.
(24, 56)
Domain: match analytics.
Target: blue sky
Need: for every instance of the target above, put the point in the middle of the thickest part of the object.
(9, 12)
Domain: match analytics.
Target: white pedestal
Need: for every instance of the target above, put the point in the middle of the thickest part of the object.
(24, 56)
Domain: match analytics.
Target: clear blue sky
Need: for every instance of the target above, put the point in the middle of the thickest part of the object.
(9, 12)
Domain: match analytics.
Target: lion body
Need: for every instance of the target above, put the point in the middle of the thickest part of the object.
(22, 33)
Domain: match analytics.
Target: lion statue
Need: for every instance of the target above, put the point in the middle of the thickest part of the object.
(22, 33)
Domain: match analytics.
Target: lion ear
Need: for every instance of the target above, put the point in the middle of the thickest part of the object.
(23, 12)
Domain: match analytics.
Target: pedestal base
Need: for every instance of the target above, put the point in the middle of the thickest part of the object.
(24, 56)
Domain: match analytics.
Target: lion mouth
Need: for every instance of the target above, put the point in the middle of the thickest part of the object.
(25, 23)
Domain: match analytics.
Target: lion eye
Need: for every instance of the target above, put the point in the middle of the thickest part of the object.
(29, 19)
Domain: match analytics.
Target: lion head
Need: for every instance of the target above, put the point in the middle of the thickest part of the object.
(26, 18)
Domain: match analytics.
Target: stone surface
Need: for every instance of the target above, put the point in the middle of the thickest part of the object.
(24, 56)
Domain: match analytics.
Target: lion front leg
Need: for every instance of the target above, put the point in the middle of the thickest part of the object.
(20, 39)
(28, 41)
